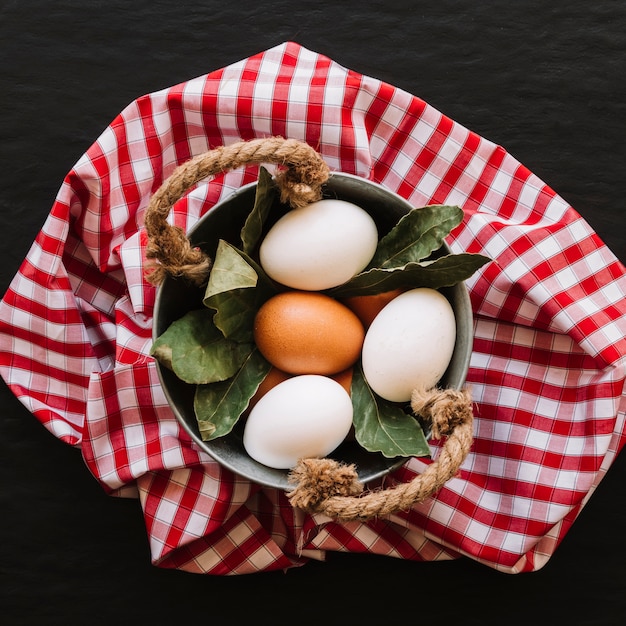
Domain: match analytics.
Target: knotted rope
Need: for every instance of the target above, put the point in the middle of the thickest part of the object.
(168, 246)
(332, 488)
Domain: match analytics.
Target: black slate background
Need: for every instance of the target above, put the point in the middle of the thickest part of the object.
(546, 80)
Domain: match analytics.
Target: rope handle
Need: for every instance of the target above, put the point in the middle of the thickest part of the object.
(333, 489)
(169, 248)
(320, 485)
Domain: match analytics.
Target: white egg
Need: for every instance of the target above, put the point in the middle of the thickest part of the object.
(410, 342)
(305, 416)
(319, 246)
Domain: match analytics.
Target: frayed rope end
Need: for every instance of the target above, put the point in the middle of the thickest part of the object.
(445, 409)
(317, 480)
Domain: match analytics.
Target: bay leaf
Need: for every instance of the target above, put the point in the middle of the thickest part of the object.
(218, 406)
(381, 426)
(229, 271)
(162, 352)
(237, 287)
(445, 271)
(197, 351)
(265, 196)
(418, 233)
(235, 311)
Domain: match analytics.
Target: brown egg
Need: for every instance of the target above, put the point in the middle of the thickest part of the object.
(273, 378)
(344, 378)
(303, 332)
(368, 307)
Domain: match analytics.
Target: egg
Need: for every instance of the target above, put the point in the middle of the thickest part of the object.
(367, 308)
(345, 379)
(410, 342)
(305, 416)
(319, 246)
(273, 378)
(302, 332)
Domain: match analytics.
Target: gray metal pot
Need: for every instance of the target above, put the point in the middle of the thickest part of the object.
(176, 297)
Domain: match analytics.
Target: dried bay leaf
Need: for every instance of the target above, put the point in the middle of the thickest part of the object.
(197, 351)
(162, 352)
(218, 406)
(381, 426)
(230, 271)
(265, 196)
(416, 235)
(445, 271)
(237, 287)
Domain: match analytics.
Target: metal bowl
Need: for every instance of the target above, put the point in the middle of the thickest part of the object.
(176, 297)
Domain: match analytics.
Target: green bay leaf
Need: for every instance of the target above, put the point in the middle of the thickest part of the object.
(382, 426)
(197, 351)
(416, 235)
(235, 312)
(265, 196)
(445, 271)
(237, 287)
(218, 406)
(229, 271)
(162, 352)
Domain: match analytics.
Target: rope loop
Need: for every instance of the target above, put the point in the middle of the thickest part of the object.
(333, 489)
(300, 182)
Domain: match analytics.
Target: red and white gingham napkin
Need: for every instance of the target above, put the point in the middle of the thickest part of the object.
(547, 371)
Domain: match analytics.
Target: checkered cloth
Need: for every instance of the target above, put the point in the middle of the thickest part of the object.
(547, 371)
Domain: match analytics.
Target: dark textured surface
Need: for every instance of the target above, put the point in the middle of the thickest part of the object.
(543, 79)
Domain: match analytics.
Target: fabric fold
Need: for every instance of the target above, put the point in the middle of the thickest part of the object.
(547, 371)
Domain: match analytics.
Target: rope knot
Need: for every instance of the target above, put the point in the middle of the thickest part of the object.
(325, 486)
(317, 480)
(445, 409)
(176, 257)
(300, 183)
